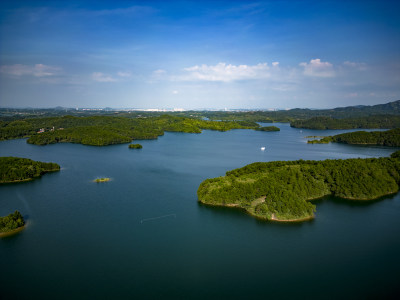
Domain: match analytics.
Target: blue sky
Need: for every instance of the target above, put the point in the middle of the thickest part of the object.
(199, 54)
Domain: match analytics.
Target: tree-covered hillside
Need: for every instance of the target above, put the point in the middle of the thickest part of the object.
(291, 115)
(376, 121)
(280, 190)
(389, 138)
(13, 169)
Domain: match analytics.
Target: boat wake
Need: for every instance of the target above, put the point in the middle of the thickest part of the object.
(157, 218)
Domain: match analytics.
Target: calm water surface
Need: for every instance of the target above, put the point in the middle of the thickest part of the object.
(144, 235)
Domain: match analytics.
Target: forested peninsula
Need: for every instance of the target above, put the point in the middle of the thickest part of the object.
(108, 130)
(281, 190)
(15, 169)
(389, 138)
(11, 223)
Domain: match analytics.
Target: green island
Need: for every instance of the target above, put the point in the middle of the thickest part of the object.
(15, 169)
(375, 121)
(135, 146)
(11, 224)
(268, 128)
(281, 190)
(389, 138)
(101, 179)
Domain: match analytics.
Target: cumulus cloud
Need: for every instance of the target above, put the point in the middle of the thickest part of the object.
(318, 68)
(226, 73)
(101, 77)
(275, 64)
(38, 70)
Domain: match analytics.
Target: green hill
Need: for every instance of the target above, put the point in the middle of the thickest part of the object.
(389, 138)
(280, 190)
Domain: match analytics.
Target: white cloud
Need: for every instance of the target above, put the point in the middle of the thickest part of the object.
(318, 68)
(124, 74)
(275, 64)
(225, 73)
(157, 75)
(159, 72)
(38, 70)
(175, 92)
(128, 11)
(101, 77)
(359, 66)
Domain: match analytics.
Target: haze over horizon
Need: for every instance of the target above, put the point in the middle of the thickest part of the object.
(191, 55)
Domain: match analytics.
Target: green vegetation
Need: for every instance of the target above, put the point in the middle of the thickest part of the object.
(101, 180)
(280, 190)
(13, 169)
(11, 222)
(135, 146)
(378, 121)
(268, 128)
(391, 108)
(108, 130)
(106, 127)
(389, 138)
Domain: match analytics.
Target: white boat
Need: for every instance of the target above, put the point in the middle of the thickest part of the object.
(262, 148)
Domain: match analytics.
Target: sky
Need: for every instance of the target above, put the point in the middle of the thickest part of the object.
(199, 54)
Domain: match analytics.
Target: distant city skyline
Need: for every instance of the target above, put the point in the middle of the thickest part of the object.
(199, 54)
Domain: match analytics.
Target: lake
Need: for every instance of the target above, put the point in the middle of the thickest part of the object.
(144, 235)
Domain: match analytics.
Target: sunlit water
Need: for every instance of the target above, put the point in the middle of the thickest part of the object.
(144, 235)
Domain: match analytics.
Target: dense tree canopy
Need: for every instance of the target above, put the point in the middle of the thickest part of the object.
(279, 190)
(389, 138)
(268, 128)
(135, 146)
(376, 121)
(14, 169)
(11, 222)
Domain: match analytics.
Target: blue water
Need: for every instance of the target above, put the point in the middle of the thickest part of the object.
(144, 235)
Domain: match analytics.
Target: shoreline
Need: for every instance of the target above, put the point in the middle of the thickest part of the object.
(368, 199)
(32, 178)
(250, 212)
(273, 219)
(12, 232)
(15, 181)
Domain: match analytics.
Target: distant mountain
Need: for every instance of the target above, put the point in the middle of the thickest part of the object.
(387, 108)
(359, 111)
(391, 108)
